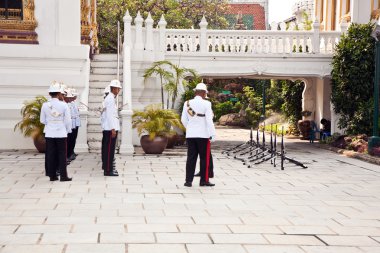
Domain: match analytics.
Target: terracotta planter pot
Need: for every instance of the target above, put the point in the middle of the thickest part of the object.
(155, 146)
(180, 140)
(172, 139)
(40, 143)
(305, 127)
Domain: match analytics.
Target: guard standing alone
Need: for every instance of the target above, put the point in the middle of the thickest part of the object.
(111, 127)
(197, 118)
(55, 115)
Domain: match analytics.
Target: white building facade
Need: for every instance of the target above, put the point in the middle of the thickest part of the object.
(26, 70)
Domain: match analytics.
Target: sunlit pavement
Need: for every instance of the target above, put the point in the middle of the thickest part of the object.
(333, 206)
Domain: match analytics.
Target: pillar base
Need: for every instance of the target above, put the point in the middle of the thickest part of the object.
(373, 142)
(126, 146)
(127, 150)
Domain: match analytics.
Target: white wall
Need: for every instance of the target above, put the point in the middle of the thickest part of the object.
(28, 70)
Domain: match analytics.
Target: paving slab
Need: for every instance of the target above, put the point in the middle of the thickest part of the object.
(330, 207)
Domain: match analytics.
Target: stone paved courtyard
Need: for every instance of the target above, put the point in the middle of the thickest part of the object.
(333, 206)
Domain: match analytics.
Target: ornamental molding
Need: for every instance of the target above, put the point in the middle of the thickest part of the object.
(22, 30)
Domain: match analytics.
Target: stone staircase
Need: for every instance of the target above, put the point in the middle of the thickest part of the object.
(103, 70)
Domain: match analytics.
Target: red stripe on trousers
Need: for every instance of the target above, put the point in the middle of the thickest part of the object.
(207, 159)
(109, 153)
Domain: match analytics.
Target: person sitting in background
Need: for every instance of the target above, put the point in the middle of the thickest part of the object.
(326, 128)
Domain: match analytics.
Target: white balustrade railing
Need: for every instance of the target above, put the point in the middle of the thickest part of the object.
(230, 42)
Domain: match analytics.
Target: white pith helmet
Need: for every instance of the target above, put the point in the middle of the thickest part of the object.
(55, 87)
(69, 93)
(115, 83)
(201, 86)
(63, 89)
(74, 92)
(106, 89)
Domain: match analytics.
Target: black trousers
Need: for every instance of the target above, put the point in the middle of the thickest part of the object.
(108, 151)
(71, 141)
(195, 147)
(56, 149)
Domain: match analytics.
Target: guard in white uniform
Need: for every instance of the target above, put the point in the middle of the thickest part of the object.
(197, 118)
(70, 137)
(111, 127)
(55, 115)
(77, 120)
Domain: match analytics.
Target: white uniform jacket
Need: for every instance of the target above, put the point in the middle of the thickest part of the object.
(55, 115)
(111, 117)
(72, 113)
(198, 126)
(76, 122)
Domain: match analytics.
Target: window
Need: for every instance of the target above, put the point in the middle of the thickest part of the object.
(11, 9)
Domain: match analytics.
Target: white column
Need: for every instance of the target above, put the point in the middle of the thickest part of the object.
(316, 38)
(149, 46)
(82, 144)
(308, 98)
(343, 26)
(139, 44)
(126, 146)
(69, 29)
(360, 11)
(162, 25)
(203, 41)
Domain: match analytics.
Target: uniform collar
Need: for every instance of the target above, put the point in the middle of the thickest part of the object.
(54, 99)
(198, 97)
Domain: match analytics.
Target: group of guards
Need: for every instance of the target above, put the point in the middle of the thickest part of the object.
(60, 115)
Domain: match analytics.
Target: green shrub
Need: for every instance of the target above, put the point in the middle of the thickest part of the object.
(224, 108)
(352, 79)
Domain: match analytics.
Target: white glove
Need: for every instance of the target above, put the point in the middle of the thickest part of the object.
(212, 138)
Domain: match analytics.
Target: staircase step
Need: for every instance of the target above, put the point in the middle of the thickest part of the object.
(105, 64)
(95, 99)
(94, 145)
(96, 91)
(103, 78)
(105, 57)
(100, 84)
(106, 71)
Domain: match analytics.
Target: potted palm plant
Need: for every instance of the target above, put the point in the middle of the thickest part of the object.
(30, 125)
(154, 124)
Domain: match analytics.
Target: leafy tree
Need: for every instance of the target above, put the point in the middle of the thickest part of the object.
(352, 79)
(157, 69)
(292, 96)
(171, 76)
(178, 14)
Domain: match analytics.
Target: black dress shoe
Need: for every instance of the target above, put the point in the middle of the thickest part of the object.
(206, 184)
(111, 174)
(198, 174)
(72, 157)
(53, 178)
(188, 184)
(64, 179)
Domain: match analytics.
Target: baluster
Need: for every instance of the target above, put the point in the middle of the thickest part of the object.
(227, 47)
(277, 44)
(249, 44)
(304, 44)
(213, 43)
(284, 38)
(255, 44)
(233, 47)
(298, 41)
(262, 44)
(326, 43)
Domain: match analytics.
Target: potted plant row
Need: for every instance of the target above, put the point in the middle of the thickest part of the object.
(155, 126)
(30, 125)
